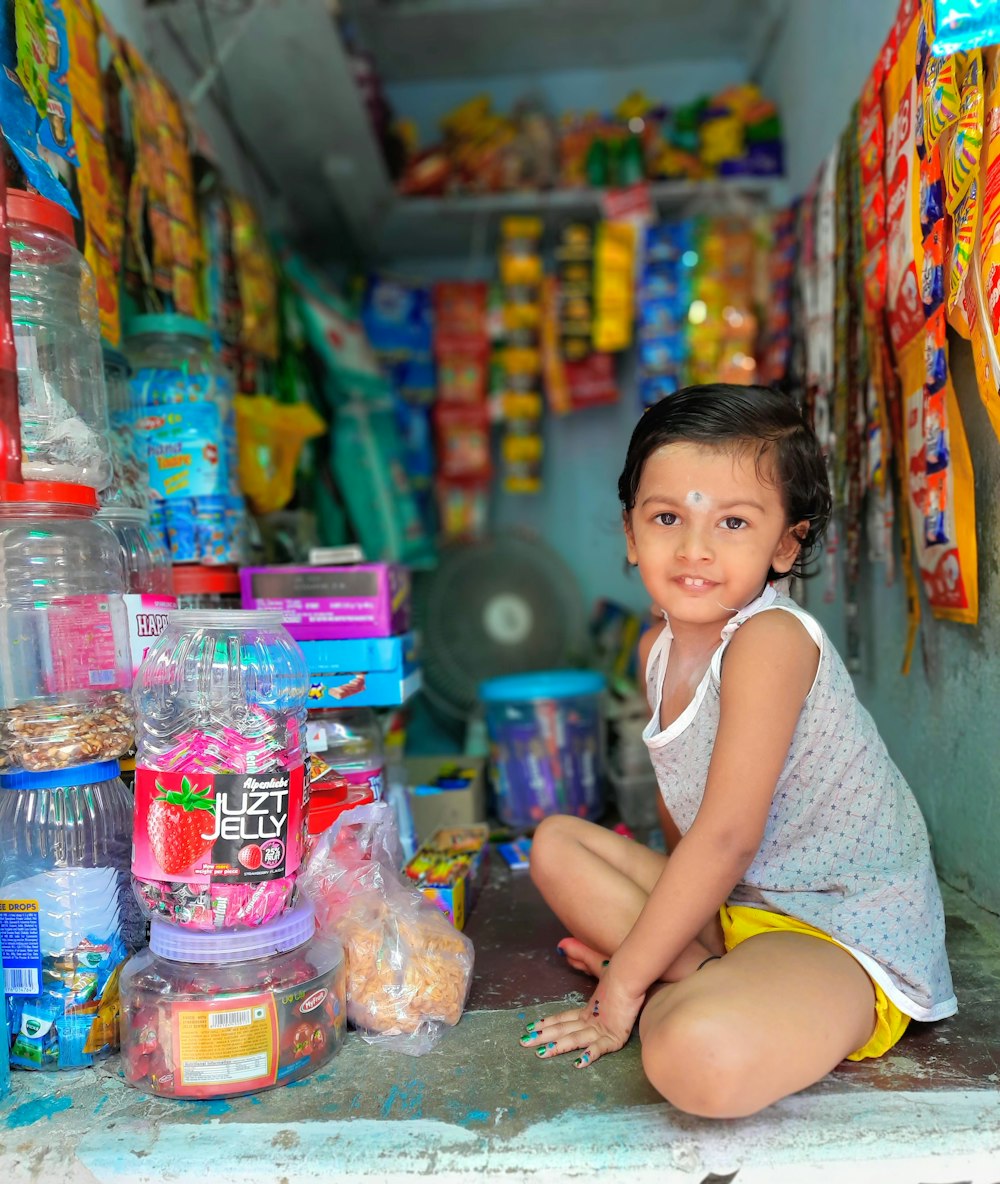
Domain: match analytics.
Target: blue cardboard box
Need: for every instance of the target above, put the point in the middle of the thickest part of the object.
(362, 672)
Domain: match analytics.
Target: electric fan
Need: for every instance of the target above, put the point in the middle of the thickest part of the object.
(502, 605)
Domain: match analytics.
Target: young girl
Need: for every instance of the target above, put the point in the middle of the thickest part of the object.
(797, 920)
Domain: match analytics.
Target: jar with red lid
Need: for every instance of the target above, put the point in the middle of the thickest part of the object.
(64, 686)
(206, 587)
(60, 371)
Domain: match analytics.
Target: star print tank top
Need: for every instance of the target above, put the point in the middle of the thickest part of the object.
(845, 847)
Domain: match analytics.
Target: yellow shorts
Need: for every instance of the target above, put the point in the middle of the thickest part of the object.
(740, 922)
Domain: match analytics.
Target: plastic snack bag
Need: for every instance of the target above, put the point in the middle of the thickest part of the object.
(409, 969)
(961, 25)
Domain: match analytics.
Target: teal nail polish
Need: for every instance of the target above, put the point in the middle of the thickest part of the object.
(606, 962)
(528, 1037)
(530, 1027)
(582, 1060)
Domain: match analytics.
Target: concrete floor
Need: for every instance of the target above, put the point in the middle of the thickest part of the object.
(479, 1104)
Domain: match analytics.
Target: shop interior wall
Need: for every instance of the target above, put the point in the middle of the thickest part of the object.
(940, 721)
(577, 512)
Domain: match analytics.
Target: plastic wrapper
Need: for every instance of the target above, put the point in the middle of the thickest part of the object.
(409, 969)
(964, 24)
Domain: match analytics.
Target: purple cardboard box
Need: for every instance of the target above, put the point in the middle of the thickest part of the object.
(331, 603)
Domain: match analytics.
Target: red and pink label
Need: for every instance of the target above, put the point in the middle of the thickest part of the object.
(87, 645)
(205, 828)
(147, 618)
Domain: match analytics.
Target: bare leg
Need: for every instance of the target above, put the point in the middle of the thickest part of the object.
(772, 1017)
(597, 882)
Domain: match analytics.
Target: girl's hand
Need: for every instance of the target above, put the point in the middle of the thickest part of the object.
(603, 1026)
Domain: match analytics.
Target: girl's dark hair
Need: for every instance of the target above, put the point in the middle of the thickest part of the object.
(757, 420)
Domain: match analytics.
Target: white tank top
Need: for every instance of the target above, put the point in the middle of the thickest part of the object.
(845, 846)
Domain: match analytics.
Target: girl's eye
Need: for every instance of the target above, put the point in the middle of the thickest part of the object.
(666, 518)
(734, 523)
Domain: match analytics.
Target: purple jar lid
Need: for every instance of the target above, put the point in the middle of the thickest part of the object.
(286, 932)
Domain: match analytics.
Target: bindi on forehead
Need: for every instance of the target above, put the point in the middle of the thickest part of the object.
(695, 498)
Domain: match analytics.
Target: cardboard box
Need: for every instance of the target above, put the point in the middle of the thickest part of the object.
(365, 672)
(330, 603)
(450, 869)
(445, 791)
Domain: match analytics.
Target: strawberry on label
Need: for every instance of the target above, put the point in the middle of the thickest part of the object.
(177, 824)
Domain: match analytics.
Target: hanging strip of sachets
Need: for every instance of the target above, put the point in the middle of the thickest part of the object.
(940, 496)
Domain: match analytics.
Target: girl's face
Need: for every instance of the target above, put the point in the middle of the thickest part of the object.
(705, 530)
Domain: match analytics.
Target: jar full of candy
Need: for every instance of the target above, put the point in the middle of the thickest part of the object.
(149, 578)
(346, 742)
(60, 374)
(213, 1015)
(68, 919)
(220, 787)
(182, 399)
(65, 699)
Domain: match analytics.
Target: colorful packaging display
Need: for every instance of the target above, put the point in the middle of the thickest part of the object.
(665, 294)
(321, 603)
(451, 868)
(369, 672)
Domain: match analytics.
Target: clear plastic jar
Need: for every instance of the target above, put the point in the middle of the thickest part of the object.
(220, 786)
(130, 480)
(69, 919)
(182, 396)
(206, 587)
(60, 374)
(346, 741)
(64, 697)
(149, 578)
(214, 1015)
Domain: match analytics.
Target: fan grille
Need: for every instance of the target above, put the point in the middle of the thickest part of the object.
(501, 606)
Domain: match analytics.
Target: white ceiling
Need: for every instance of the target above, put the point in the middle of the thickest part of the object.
(423, 40)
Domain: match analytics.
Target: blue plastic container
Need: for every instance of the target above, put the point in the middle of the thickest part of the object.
(546, 743)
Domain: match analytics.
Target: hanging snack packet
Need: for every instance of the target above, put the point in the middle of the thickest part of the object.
(961, 162)
(964, 24)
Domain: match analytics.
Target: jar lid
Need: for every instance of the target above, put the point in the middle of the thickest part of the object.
(541, 684)
(39, 211)
(192, 580)
(291, 929)
(61, 778)
(226, 618)
(60, 492)
(170, 324)
(327, 805)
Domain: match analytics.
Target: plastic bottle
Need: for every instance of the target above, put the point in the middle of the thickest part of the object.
(5, 1031)
(65, 700)
(69, 919)
(60, 372)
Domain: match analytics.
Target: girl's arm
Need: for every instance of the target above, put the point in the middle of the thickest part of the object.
(770, 665)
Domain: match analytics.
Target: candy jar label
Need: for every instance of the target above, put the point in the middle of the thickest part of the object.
(203, 828)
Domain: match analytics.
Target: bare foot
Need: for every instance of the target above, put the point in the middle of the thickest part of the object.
(582, 957)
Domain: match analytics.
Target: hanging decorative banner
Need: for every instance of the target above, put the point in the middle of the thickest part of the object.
(940, 493)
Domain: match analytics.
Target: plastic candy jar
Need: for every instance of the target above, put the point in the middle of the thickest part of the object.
(67, 917)
(60, 373)
(220, 788)
(130, 480)
(64, 697)
(206, 587)
(213, 1015)
(182, 397)
(347, 741)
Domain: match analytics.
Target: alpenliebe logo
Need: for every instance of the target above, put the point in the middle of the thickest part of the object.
(218, 826)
